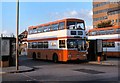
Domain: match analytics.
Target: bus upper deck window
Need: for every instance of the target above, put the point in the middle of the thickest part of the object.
(80, 26)
(40, 29)
(34, 30)
(61, 25)
(54, 27)
(117, 30)
(46, 28)
(93, 33)
(70, 25)
(30, 31)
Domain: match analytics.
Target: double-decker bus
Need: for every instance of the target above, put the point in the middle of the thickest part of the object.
(110, 37)
(61, 40)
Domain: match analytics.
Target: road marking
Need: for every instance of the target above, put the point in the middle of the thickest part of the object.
(32, 79)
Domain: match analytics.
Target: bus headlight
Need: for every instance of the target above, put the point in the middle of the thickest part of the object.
(84, 54)
(77, 55)
(69, 56)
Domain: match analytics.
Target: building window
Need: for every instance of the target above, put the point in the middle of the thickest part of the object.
(116, 20)
(61, 43)
(100, 4)
(112, 21)
(100, 18)
(100, 11)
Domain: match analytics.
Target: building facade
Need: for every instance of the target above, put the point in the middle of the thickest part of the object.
(23, 43)
(106, 11)
(106, 26)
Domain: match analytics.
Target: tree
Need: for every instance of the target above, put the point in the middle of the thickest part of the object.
(105, 24)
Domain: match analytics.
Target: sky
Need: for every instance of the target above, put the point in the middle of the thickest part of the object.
(35, 13)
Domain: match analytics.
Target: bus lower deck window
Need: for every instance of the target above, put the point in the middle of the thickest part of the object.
(61, 43)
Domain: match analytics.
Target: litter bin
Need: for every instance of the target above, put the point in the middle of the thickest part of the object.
(4, 61)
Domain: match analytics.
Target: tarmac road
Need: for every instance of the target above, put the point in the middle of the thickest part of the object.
(47, 71)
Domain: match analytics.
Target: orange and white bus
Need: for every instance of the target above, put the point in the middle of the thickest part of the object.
(61, 40)
(110, 37)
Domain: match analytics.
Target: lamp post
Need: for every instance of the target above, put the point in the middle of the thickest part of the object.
(17, 32)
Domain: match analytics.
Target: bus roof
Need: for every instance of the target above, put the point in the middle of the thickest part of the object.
(57, 21)
(106, 28)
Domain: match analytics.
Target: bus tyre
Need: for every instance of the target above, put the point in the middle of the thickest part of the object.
(34, 56)
(55, 58)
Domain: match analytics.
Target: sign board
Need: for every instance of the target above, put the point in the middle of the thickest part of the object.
(99, 45)
(5, 47)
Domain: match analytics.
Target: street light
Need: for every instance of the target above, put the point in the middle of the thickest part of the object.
(17, 32)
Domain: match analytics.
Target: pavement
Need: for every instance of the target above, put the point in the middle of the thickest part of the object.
(12, 69)
(105, 63)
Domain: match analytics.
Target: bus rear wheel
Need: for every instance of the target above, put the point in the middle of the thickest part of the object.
(34, 56)
(55, 58)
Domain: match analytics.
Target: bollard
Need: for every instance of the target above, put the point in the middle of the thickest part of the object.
(98, 59)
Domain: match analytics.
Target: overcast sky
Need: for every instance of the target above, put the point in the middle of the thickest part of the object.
(35, 13)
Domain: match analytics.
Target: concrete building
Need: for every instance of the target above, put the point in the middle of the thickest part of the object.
(23, 37)
(106, 10)
(106, 26)
(23, 42)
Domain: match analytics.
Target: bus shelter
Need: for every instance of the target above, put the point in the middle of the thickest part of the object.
(7, 51)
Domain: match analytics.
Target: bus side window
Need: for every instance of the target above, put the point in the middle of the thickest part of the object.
(30, 31)
(34, 45)
(40, 44)
(46, 28)
(40, 29)
(54, 27)
(61, 43)
(61, 25)
(118, 44)
(34, 30)
(45, 44)
(117, 30)
(29, 45)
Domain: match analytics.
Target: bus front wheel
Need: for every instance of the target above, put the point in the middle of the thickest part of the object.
(55, 58)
